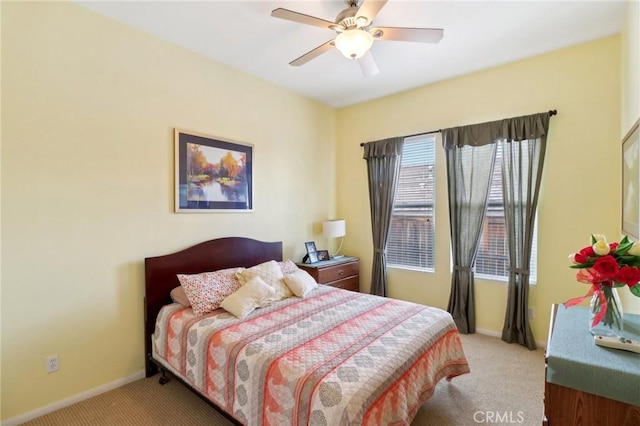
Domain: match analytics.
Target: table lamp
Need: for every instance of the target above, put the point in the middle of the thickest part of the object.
(334, 229)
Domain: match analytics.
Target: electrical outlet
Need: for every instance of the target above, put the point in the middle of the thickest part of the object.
(52, 363)
(531, 313)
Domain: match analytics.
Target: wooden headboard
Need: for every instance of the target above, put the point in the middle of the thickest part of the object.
(161, 273)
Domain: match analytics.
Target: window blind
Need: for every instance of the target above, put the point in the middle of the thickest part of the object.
(412, 229)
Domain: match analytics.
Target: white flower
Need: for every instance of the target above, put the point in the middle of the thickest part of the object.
(599, 237)
(634, 250)
(572, 258)
(601, 248)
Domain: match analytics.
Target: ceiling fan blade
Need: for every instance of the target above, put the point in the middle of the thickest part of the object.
(312, 54)
(422, 35)
(290, 15)
(368, 64)
(370, 8)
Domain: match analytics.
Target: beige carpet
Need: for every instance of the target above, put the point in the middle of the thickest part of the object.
(505, 386)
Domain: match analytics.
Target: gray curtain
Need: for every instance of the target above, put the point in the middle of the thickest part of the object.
(469, 170)
(469, 174)
(522, 159)
(383, 166)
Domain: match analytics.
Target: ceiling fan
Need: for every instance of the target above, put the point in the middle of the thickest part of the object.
(355, 33)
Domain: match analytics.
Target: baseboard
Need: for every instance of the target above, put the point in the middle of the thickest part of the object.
(499, 335)
(72, 400)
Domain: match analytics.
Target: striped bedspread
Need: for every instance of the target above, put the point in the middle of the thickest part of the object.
(334, 358)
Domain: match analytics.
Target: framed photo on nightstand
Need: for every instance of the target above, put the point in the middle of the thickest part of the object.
(310, 246)
(312, 253)
(323, 255)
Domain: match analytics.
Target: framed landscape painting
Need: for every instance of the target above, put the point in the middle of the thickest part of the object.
(631, 183)
(212, 174)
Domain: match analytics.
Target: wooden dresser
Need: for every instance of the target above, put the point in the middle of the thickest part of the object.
(580, 375)
(342, 273)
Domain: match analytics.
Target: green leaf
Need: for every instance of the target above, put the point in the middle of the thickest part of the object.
(624, 240)
(580, 266)
(625, 258)
(635, 290)
(623, 248)
(593, 239)
(630, 261)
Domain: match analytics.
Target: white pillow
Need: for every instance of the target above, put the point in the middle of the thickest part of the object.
(271, 273)
(250, 296)
(300, 282)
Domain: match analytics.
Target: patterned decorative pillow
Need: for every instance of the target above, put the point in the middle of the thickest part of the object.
(271, 273)
(300, 283)
(254, 294)
(207, 290)
(288, 266)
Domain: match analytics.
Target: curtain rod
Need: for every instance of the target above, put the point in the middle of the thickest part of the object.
(552, 112)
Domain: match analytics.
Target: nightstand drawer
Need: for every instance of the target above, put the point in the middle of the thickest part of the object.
(351, 283)
(341, 273)
(337, 272)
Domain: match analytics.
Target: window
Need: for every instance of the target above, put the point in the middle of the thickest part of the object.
(412, 232)
(492, 260)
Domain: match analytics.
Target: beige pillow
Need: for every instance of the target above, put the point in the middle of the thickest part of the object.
(179, 296)
(247, 298)
(271, 273)
(300, 282)
(205, 291)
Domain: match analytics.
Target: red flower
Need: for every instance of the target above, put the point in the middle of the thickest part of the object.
(583, 255)
(628, 275)
(607, 267)
(613, 247)
(580, 258)
(588, 251)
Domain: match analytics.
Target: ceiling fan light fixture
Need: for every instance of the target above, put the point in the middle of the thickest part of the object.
(354, 43)
(362, 21)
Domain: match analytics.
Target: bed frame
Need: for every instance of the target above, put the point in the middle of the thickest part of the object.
(161, 274)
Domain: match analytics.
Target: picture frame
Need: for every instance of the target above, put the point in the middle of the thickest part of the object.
(323, 255)
(212, 174)
(631, 183)
(310, 246)
(313, 256)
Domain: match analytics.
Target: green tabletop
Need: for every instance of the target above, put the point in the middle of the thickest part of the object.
(330, 262)
(575, 361)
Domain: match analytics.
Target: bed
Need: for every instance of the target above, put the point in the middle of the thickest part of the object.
(334, 357)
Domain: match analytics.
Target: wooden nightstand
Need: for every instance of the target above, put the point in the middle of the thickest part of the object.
(342, 273)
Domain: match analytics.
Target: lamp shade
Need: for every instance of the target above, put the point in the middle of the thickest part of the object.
(334, 228)
(354, 43)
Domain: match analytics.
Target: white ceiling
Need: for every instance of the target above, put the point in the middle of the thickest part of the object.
(477, 35)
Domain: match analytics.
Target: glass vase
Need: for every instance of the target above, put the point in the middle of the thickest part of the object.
(612, 323)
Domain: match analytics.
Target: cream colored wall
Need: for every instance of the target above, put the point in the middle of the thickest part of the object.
(0, 218)
(630, 95)
(581, 181)
(88, 112)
